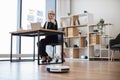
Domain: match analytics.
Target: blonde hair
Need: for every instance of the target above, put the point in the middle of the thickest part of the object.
(51, 12)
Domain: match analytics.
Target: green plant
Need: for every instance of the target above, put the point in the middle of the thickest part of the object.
(100, 25)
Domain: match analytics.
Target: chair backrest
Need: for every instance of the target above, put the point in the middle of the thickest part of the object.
(60, 36)
(118, 38)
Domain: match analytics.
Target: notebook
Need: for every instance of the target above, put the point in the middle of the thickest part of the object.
(36, 25)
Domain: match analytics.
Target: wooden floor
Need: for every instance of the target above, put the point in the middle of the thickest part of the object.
(79, 70)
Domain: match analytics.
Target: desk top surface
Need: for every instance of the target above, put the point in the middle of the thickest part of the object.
(35, 31)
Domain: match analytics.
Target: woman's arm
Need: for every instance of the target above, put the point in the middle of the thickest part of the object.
(44, 25)
(56, 26)
(51, 25)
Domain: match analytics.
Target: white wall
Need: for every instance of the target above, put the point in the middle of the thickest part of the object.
(62, 9)
(106, 9)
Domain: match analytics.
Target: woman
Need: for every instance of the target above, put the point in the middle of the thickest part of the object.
(50, 24)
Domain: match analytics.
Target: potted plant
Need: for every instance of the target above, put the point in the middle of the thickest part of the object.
(100, 25)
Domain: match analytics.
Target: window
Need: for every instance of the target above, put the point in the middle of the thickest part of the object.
(8, 18)
(33, 11)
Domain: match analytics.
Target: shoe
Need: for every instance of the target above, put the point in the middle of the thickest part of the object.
(44, 59)
(56, 60)
(49, 59)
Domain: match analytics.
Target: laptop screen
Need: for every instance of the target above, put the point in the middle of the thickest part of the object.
(36, 25)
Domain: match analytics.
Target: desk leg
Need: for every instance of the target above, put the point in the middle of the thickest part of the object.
(62, 49)
(38, 47)
(34, 49)
(11, 48)
(19, 46)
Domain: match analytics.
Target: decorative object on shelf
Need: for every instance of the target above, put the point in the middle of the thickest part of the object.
(80, 32)
(94, 39)
(76, 46)
(66, 44)
(95, 30)
(85, 11)
(86, 42)
(69, 14)
(97, 53)
(84, 57)
(100, 25)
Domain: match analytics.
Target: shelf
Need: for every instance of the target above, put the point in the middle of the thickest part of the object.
(75, 48)
(72, 26)
(93, 32)
(94, 44)
(75, 59)
(98, 57)
(75, 36)
(94, 57)
(81, 15)
(105, 57)
(104, 49)
(71, 48)
(64, 17)
(94, 25)
(106, 36)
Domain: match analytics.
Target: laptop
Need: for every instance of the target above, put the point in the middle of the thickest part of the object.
(36, 25)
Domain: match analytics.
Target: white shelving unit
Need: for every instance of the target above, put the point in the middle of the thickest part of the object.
(100, 48)
(83, 39)
(77, 35)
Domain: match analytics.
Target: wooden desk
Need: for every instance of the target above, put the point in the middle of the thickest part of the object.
(35, 33)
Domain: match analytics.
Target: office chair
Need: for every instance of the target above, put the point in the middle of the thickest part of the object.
(114, 45)
(59, 42)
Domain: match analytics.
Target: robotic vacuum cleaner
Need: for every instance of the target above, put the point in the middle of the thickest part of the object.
(57, 68)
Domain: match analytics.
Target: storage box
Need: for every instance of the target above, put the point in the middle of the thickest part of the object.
(83, 42)
(94, 39)
(72, 31)
(74, 53)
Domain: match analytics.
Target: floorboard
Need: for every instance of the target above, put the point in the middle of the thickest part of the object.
(79, 70)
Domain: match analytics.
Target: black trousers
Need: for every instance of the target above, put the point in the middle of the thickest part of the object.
(43, 43)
